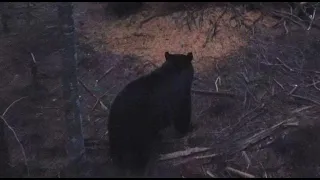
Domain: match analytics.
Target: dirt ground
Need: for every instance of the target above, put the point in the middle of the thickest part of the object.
(255, 94)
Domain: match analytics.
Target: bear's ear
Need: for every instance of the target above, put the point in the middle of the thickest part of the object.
(166, 55)
(190, 56)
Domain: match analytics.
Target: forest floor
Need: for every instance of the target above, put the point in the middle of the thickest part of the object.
(255, 96)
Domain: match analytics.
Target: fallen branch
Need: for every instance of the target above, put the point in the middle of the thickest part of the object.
(240, 173)
(184, 153)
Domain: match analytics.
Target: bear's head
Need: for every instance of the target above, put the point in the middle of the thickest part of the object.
(179, 60)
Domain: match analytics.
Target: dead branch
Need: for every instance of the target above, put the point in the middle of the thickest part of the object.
(240, 173)
(184, 153)
(105, 74)
(213, 93)
(306, 99)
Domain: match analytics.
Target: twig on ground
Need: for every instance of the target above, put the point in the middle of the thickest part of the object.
(210, 174)
(18, 140)
(87, 89)
(285, 27)
(284, 64)
(264, 170)
(213, 93)
(293, 89)
(245, 98)
(304, 98)
(279, 84)
(184, 153)
(218, 81)
(101, 103)
(240, 173)
(33, 58)
(315, 85)
(245, 77)
(196, 158)
(312, 18)
(246, 157)
(98, 99)
(14, 102)
(105, 74)
(301, 109)
(14, 133)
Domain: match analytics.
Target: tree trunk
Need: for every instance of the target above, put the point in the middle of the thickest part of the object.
(75, 143)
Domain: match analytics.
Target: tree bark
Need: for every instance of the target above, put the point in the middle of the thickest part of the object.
(75, 143)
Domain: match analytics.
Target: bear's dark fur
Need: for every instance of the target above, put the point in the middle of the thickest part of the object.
(148, 105)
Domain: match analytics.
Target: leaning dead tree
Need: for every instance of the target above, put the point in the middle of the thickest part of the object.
(75, 143)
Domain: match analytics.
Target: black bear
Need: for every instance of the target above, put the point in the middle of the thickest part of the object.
(148, 105)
